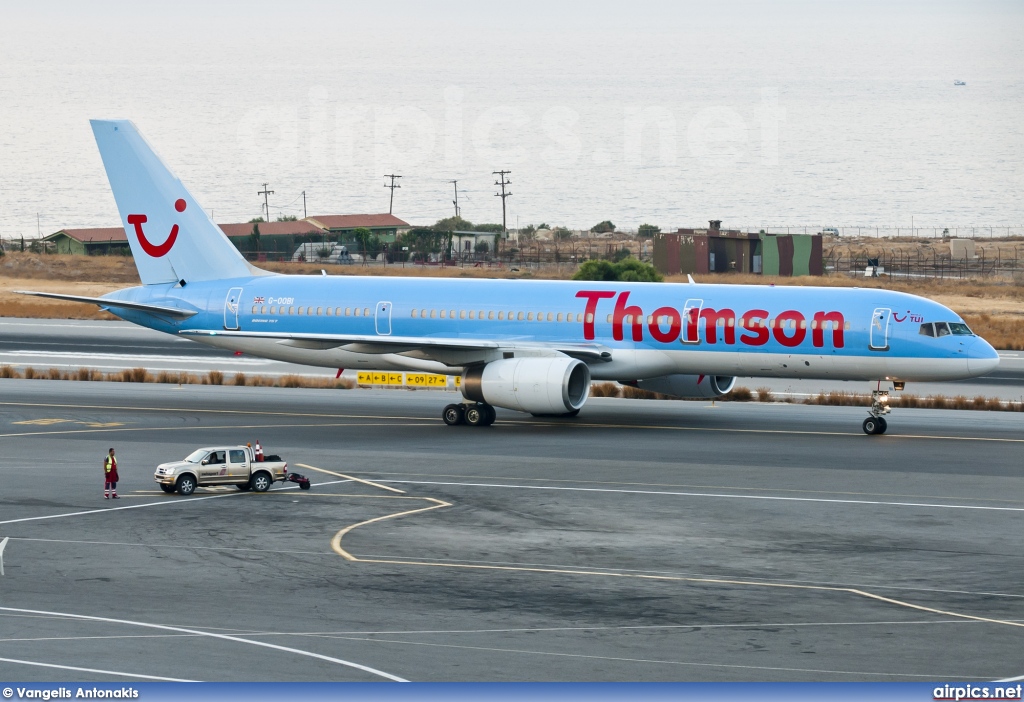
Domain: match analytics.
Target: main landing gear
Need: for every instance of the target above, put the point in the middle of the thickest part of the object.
(476, 414)
(876, 424)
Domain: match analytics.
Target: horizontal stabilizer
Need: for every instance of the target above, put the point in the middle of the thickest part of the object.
(163, 310)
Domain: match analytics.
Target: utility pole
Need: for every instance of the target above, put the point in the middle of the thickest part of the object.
(455, 184)
(303, 204)
(266, 201)
(393, 185)
(502, 181)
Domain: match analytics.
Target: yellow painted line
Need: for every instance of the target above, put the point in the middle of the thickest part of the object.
(197, 428)
(438, 504)
(350, 477)
(577, 425)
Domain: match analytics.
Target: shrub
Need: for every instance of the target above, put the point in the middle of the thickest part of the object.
(240, 379)
(764, 394)
(215, 377)
(604, 390)
(30, 373)
(739, 394)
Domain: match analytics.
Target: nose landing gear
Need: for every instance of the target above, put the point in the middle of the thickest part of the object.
(876, 424)
(476, 414)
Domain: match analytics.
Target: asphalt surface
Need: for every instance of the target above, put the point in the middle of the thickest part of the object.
(640, 541)
(114, 346)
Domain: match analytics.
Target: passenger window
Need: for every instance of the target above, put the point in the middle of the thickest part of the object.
(433, 314)
(559, 316)
(300, 310)
(452, 314)
(490, 315)
(519, 317)
(273, 309)
(329, 311)
(579, 317)
(609, 319)
(941, 329)
(217, 457)
(529, 316)
(254, 308)
(479, 315)
(237, 456)
(472, 314)
(927, 329)
(358, 311)
(291, 310)
(501, 315)
(319, 311)
(590, 318)
(846, 327)
(263, 309)
(444, 314)
(462, 314)
(366, 311)
(551, 317)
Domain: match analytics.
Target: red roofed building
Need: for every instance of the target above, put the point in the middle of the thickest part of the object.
(385, 226)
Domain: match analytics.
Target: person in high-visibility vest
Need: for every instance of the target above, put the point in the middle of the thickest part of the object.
(110, 476)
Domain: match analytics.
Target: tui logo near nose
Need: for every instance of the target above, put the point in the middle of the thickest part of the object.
(155, 250)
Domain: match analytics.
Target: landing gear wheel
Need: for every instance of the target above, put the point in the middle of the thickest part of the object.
(491, 415)
(453, 415)
(167, 488)
(875, 425)
(186, 485)
(476, 416)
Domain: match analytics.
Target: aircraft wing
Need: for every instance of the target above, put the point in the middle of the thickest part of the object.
(177, 312)
(375, 344)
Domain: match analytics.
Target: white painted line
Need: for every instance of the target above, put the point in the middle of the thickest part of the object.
(1019, 677)
(95, 670)
(708, 494)
(3, 545)
(225, 637)
(151, 504)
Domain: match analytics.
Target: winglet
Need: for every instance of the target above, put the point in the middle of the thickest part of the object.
(690, 279)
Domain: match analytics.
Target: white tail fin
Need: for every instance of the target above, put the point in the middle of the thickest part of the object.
(172, 238)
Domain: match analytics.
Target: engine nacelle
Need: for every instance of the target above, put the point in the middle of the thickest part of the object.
(536, 385)
(678, 385)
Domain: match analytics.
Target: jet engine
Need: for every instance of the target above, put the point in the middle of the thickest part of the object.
(710, 386)
(544, 385)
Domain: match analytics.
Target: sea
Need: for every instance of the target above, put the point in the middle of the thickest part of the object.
(794, 114)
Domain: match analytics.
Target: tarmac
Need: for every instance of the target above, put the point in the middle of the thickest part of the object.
(642, 540)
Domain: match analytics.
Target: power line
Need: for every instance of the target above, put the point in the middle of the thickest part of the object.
(455, 184)
(503, 182)
(393, 185)
(266, 201)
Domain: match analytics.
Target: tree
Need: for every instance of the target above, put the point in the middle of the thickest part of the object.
(453, 224)
(254, 220)
(603, 227)
(254, 238)
(494, 228)
(645, 231)
(287, 218)
(628, 270)
(368, 242)
(482, 246)
(527, 231)
(562, 234)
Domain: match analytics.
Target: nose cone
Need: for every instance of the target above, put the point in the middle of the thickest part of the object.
(981, 358)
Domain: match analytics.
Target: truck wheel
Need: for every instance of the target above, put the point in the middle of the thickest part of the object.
(167, 488)
(304, 486)
(186, 485)
(260, 482)
(244, 487)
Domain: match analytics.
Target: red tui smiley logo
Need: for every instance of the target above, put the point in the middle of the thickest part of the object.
(156, 251)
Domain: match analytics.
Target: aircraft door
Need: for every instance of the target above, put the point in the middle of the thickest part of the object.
(231, 307)
(878, 333)
(383, 318)
(691, 321)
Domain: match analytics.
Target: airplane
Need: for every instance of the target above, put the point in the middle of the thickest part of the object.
(527, 345)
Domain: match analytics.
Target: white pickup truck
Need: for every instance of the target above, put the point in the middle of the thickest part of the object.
(221, 465)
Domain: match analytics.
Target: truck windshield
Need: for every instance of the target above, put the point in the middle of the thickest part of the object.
(196, 456)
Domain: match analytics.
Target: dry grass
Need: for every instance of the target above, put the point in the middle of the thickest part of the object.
(141, 375)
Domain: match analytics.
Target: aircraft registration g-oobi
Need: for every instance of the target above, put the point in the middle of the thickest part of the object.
(532, 346)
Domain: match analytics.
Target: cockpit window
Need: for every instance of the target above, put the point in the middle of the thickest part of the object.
(960, 329)
(941, 329)
(927, 329)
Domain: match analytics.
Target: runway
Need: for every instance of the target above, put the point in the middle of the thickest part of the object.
(114, 346)
(642, 540)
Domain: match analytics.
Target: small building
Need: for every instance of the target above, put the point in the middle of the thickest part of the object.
(717, 250)
(98, 241)
(340, 227)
